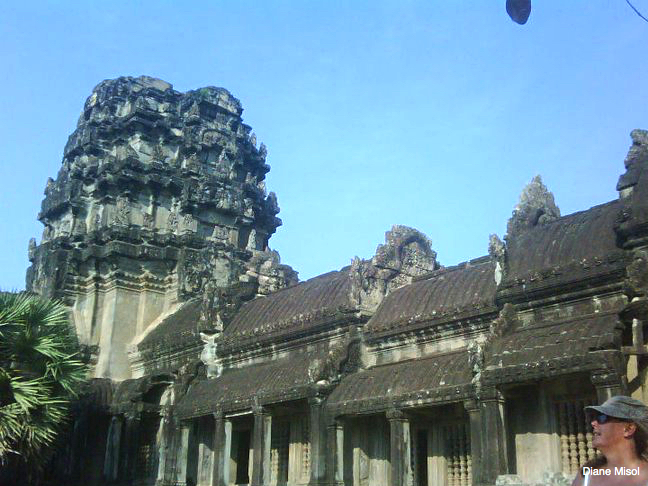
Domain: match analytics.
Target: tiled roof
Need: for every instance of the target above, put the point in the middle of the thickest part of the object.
(175, 329)
(449, 294)
(573, 247)
(440, 378)
(291, 310)
(553, 348)
(274, 381)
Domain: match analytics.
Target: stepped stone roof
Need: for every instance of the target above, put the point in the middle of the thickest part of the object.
(573, 247)
(301, 308)
(448, 294)
(553, 348)
(444, 377)
(175, 329)
(274, 381)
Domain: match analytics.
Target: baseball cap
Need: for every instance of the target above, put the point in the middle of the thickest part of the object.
(624, 407)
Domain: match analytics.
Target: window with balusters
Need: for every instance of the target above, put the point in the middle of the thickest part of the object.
(457, 454)
(279, 453)
(575, 433)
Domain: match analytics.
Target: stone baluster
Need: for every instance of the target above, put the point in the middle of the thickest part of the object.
(580, 437)
(564, 436)
(573, 445)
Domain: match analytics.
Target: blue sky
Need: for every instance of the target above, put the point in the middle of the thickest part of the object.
(432, 114)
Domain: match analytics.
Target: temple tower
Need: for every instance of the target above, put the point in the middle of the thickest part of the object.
(160, 193)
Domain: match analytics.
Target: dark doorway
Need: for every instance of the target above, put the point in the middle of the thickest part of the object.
(243, 457)
(422, 458)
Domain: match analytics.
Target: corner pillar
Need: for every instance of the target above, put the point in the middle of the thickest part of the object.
(335, 453)
(317, 439)
(113, 448)
(128, 453)
(400, 448)
(261, 444)
(222, 448)
(493, 437)
(474, 419)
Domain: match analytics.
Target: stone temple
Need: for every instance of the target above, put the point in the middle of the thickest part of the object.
(213, 365)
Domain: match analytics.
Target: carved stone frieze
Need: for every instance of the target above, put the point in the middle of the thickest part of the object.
(636, 283)
(505, 322)
(406, 254)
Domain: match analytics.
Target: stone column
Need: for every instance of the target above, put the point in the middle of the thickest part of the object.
(113, 448)
(261, 444)
(494, 460)
(182, 452)
(400, 448)
(166, 448)
(607, 383)
(474, 417)
(317, 439)
(335, 453)
(222, 450)
(128, 454)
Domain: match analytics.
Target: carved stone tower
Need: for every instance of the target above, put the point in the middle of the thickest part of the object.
(160, 193)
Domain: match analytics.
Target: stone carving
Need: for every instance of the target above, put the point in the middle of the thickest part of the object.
(31, 250)
(172, 221)
(536, 206)
(636, 159)
(148, 221)
(188, 223)
(636, 283)
(406, 254)
(65, 228)
(252, 240)
(266, 268)
(505, 322)
(209, 355)
(497, 251)
(496, 247)
(80, 227)
(342, 359)
(220, 233)
(122, 212)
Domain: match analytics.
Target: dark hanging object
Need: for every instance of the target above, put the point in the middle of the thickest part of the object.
(518, 10)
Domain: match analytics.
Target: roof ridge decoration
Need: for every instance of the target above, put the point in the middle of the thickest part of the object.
(632, 225)
(536, 206)
(406, 255)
